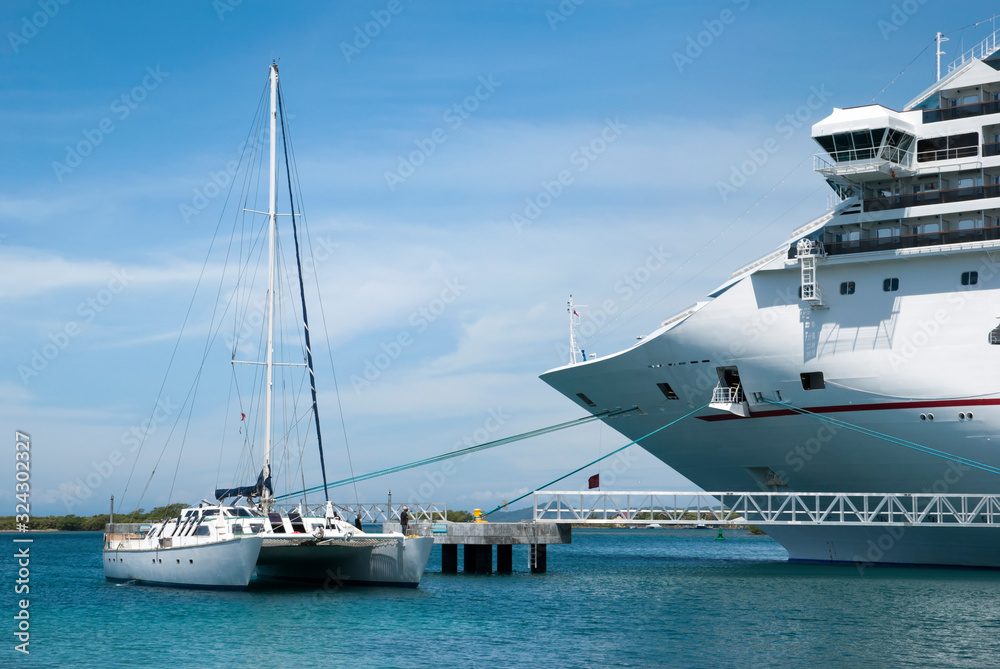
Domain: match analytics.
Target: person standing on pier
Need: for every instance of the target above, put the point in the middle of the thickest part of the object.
(404, 518)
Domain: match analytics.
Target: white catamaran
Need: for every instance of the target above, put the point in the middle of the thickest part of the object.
(284, 546)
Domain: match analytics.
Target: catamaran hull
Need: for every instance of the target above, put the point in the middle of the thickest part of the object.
(226, 565)
(398, 563)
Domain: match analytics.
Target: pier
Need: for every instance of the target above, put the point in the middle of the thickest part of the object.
(476, 538)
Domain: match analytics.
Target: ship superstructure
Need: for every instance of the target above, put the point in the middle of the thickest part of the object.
(883, 312)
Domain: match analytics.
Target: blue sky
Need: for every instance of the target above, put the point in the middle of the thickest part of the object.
(161, 95)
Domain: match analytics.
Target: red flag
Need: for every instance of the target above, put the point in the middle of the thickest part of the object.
(243, 416)
(594, 481)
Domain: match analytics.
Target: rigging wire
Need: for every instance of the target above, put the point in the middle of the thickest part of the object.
(180, 335)
(322, 311)
(302, 293)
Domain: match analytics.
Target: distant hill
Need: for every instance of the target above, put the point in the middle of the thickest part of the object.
(511, 515)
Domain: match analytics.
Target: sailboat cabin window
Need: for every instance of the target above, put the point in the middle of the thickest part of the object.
(890, 285)
(970, 278)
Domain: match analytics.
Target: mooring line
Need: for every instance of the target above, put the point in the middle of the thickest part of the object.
(888, 437)
(462, 451)
(617, 450)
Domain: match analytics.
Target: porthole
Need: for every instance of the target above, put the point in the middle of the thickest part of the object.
(930, 416)
(961, 416)
(923, 416)
(969, 415)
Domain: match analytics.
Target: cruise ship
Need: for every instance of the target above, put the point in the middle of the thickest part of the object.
(883, 312)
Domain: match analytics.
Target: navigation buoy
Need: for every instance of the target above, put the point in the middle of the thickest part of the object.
(720, 537)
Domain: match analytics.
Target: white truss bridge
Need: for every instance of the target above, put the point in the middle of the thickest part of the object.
(767, 508)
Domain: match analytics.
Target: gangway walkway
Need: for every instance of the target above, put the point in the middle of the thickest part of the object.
(767, 508)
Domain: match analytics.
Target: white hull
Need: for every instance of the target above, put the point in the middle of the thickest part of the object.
(364, 560)
(882, 314)
(866, 546)
(226, 565)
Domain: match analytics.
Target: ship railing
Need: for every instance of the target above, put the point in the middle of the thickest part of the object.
(942, 196)
(727, 394)
(980, 51)
(767, 508)
(851, 159)
(923, 239)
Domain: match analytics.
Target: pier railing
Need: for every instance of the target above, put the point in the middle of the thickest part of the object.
(375, 512)
(766, 508)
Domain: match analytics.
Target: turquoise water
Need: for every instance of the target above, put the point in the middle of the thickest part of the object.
(635, 598)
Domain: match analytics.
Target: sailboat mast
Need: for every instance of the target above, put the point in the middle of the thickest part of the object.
(272, 226)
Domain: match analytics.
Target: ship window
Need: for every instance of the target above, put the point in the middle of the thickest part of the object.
(995, 336)
(586, 400)
(847, 288)
(201, 531)
(970, 278)
(890, 285)
(945, 148)
(667, 391)
(812, 381)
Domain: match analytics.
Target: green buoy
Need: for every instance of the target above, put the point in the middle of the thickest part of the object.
(720, 537)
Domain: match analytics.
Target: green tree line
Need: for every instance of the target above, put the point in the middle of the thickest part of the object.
(96, 523)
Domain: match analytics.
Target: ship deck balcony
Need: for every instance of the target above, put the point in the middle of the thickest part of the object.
(932, 197)
(961, 111)
(910, 241)
(865, 164)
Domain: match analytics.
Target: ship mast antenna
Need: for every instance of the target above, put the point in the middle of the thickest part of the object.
(574, 321)
(939, 39)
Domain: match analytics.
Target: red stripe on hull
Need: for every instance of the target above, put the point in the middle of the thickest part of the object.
(881, 406)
